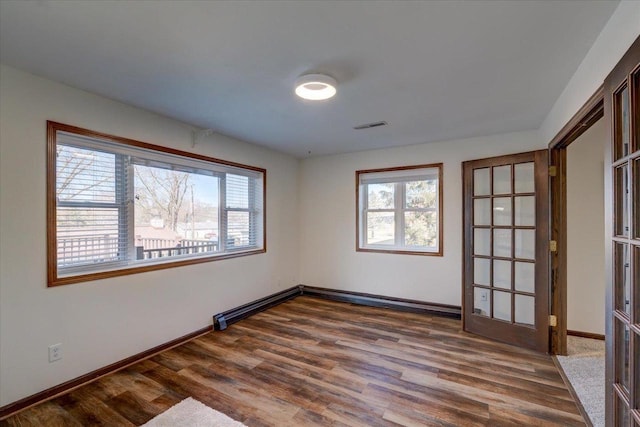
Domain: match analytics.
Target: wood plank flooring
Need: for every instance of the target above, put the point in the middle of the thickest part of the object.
(316, 362)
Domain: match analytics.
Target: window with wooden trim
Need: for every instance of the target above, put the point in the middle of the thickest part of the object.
(118, 206)
(400, 210)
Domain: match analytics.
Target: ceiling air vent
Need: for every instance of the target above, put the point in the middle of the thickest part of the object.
(370, 125)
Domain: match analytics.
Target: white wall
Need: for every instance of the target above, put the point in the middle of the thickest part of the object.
(328, 220)
(101, 322)
(614, 40)
(585, 231)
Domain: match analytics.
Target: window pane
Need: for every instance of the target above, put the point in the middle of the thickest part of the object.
(238, 229)
(622, 354)
(636, 355)
(88, 236)
(380, 228)
(201, 220)
(621, 201)
(482, 241)
(421, 194)
(481, 302)
(420, 229)
(84, 175)
(380, 196)
(622, 278)
(636, 292)
(525, 210)
(482, 212)
(502, 211)
(636, 196)
(502, 274)
(525, 309)
(636, 120)
(502, 242)
(87, 215)
(176, 213)
(625, 121)
(502, 305)
(525, 276)
(481, 271)
(524, 178)
(481, 182)
(525, 244)
(621, 123)
(622, 411)
(502, 179)
(237, 191)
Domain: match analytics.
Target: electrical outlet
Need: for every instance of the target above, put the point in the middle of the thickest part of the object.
(483, 296)
(55, 352)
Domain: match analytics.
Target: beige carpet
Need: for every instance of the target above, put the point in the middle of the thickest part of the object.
(191, 413)
(584, 367)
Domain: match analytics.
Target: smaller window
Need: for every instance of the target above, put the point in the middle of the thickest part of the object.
(400, 210)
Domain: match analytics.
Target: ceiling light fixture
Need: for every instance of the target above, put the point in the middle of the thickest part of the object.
(315, 87)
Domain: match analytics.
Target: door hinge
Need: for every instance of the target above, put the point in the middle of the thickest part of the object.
(553, 171)
(553, 246)
(553, 320)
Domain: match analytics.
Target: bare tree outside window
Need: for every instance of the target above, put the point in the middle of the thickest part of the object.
(160, 193)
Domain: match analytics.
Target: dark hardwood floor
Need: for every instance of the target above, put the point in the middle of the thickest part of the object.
(316, 362)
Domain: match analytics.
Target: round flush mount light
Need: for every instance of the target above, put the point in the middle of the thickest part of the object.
(315, 87)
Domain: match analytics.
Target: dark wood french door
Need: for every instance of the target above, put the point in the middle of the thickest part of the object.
(506, 249)
(622, 217)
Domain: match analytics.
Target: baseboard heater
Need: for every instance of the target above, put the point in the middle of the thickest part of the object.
(222, 320)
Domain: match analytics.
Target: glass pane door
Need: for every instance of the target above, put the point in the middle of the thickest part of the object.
(622, 111)
(506, 227)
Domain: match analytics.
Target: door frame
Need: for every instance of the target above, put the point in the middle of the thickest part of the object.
(587, 116)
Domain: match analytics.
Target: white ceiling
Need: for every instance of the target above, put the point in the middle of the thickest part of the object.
(434, 70)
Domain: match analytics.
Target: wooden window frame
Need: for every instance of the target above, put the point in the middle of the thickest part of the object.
(53, 279)
(360, 246)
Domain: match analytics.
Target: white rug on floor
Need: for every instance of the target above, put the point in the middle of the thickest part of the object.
(191, 413)
(584, 367)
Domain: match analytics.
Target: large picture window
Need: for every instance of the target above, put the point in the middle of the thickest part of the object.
(117, 206)
(400, 210)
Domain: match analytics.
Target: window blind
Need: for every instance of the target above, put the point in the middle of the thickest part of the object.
(242, 208)
(91, 207)
(421, 174)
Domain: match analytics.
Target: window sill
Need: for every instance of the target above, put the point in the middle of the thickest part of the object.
(54, 280)
(399, 251)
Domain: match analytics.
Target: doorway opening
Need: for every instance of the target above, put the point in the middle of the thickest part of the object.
(589, 114)
(586, 125)
(583, 366)
(585, 234)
